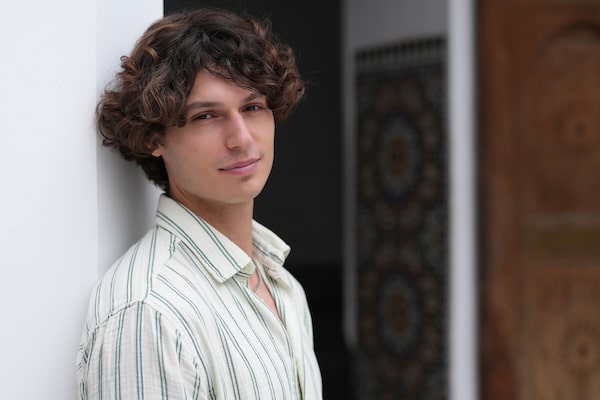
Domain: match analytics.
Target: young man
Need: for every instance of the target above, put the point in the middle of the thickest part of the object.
(201, 307)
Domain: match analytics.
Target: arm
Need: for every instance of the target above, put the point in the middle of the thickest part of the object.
(137, 354)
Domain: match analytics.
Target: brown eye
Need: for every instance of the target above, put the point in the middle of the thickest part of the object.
(203, 116)
(253, 107)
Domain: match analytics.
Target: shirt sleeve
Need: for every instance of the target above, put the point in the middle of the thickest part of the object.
(138, 354)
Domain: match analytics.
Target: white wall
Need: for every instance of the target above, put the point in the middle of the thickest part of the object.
(51, 241)
(126, 199)
(376, 22)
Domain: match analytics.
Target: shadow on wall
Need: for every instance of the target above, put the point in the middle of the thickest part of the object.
(126, 205)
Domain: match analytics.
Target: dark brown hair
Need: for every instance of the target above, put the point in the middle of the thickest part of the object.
(149, 93)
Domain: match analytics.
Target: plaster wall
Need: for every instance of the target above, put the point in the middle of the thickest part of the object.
(54, 237)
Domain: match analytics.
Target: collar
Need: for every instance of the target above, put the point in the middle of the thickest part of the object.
(220, 256)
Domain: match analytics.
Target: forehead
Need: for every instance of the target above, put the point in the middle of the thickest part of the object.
(212, 86)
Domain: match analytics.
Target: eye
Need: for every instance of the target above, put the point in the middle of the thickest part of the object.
(254, 107)
(200, 117)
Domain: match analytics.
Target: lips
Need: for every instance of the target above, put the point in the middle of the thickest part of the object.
(241, 166)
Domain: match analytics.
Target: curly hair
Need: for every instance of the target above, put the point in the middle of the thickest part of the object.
(149, 92)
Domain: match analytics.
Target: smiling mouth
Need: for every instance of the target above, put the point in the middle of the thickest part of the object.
(241, 166)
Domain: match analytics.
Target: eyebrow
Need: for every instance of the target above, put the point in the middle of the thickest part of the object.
(208, 104)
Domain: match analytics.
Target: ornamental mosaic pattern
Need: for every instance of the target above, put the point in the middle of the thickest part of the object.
(402, 221)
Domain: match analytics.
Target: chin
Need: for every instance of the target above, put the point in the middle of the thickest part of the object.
(244, 197)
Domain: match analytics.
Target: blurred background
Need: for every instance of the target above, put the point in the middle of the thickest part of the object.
(438, 185)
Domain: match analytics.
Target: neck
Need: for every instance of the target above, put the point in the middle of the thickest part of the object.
(232, 220)
(235, 223)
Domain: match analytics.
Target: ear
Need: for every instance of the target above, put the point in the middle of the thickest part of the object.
(157, 152)
(156, 145)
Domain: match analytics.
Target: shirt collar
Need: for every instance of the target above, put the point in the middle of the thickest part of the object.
(220, 256)
(271, 251)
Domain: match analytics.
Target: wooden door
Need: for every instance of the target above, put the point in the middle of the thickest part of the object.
(539, 142)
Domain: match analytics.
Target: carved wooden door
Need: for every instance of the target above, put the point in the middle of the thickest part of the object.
(539, 133)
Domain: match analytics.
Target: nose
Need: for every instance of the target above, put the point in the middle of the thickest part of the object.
(238, 132)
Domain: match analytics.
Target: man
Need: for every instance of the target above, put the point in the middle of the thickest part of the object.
(201, 307)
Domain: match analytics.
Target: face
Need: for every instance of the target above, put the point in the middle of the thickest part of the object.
(223, 155)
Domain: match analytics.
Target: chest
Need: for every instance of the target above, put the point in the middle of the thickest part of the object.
(242, 344)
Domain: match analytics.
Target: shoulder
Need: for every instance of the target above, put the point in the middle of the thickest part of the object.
(130, 278)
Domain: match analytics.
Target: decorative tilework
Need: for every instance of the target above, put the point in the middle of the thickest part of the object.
(402, 221)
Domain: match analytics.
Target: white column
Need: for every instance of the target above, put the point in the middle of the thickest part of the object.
(49, 239)
(463, 206)
(126, 199)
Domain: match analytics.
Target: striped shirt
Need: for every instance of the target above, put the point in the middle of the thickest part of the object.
(174, 318)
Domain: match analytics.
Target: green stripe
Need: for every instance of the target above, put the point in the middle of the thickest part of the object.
(161, 358)
(139, 359)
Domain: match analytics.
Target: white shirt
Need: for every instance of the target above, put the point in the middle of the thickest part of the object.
(174, 318)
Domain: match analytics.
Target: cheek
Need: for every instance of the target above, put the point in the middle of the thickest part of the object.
(192, 151)
(182, 158)
(269, 138)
